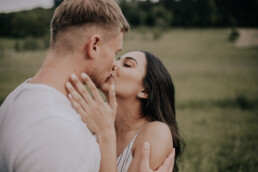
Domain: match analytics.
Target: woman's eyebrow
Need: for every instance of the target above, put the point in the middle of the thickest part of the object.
(131, 59)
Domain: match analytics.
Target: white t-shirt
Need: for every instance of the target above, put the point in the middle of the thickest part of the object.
(40, 131)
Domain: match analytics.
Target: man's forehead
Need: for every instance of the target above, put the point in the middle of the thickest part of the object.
(119, 41)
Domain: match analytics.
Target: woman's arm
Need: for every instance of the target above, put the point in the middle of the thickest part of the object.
(99, 117)
(159, 136)
(108, 153)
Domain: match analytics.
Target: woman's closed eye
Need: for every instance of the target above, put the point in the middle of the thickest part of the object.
(127, 65)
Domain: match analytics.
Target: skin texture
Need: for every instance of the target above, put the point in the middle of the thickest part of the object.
(127, 78)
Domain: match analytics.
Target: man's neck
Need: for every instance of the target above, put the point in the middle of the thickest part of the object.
(55, 72)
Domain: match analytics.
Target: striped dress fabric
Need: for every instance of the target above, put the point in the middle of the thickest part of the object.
(125, 158)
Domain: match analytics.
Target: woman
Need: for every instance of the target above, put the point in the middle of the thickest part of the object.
(145, 112)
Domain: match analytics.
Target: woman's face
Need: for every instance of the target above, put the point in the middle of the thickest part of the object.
(127, 75)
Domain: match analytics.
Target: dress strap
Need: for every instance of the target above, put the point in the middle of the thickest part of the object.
(125, 158)
(133, 140)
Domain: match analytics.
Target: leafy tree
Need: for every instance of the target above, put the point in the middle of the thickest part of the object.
(165, 13)
(57, 3)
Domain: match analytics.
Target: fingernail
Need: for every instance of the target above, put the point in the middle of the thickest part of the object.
(69, 95)
(68, 85)
(146, 145)
(112, 87)
(74, 77)
(84, 75)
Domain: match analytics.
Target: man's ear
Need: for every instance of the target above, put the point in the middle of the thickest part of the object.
(93, 46)
(143, 94)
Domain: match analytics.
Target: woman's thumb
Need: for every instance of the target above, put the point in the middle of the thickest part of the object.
(145, 157)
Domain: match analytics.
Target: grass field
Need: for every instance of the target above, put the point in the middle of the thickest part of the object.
(216, 92)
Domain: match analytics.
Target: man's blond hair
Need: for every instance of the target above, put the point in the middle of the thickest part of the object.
(103, 13)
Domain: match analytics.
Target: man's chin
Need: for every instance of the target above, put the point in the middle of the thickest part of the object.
(105, 87)
(98, 85)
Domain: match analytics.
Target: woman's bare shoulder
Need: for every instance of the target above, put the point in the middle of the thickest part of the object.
(155, 130)
(159, 136)
(156, 127)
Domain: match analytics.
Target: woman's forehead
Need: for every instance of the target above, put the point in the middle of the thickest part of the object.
(137, 55)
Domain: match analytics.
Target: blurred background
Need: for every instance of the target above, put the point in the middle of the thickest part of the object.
(210, 48)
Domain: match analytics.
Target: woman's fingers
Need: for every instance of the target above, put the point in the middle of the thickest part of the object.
(112, 99)
(77, 107)
(168, 164)
(145, 158)
(92, 88)
(81, 88)
(172, 160)
(76, 96)
(98, 115)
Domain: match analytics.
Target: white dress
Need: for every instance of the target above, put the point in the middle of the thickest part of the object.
(125, 158)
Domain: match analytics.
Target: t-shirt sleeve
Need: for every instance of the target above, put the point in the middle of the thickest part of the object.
(54, 145)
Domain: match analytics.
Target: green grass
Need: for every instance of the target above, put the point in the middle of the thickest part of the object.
(216, 92)
(217, 96)
(15, 68)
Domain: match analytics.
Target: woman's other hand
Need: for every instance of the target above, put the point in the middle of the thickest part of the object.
(167, 165)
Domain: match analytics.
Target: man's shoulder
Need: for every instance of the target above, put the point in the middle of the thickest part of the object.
(38, 98)
(34, 106)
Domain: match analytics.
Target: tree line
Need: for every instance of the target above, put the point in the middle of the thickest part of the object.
(26, 23)
(192, 13)
(162, 14)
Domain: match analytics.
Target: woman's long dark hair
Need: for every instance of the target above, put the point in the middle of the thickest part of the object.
(160, 105)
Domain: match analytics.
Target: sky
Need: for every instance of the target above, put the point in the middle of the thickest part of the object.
(18, 5)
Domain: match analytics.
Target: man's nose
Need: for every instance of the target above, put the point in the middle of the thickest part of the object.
(115, 67)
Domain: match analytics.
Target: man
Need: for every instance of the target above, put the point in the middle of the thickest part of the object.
(39, 129)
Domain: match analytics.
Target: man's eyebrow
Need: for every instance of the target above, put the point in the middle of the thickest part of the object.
(131, 59)
(119, 50)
